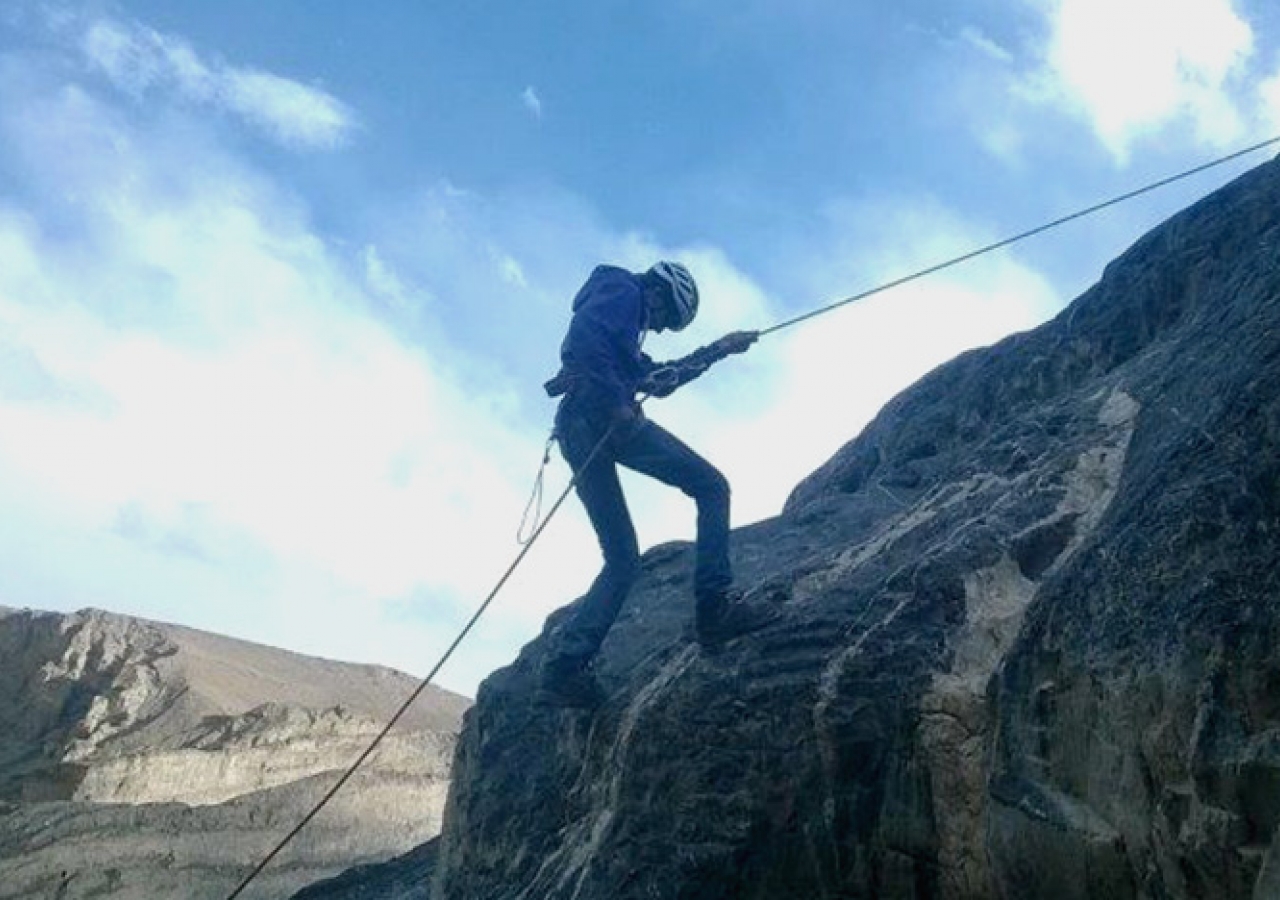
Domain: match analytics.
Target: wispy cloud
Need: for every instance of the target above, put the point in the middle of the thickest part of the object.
(295, 113)
(532, 102)
(141, 61)
(1269, 98)
(984, 44)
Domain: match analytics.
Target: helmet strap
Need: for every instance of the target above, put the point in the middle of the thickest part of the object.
(657, 298)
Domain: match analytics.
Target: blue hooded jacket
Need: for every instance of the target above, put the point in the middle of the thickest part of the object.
(602, 367)
(600, 355)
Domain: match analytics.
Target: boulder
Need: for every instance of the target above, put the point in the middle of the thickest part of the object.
(1028, 646)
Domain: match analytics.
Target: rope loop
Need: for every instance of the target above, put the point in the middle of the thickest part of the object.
(529, 527)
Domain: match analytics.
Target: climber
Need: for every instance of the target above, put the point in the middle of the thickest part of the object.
(602, 371)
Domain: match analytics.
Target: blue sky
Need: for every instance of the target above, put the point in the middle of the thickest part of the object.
(279, 283)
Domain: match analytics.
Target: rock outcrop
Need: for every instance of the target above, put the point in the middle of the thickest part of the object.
(141, 760)
(1030, 644)
(406, 877)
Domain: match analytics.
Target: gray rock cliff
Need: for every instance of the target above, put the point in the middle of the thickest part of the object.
(143, 760)
(1029, 650)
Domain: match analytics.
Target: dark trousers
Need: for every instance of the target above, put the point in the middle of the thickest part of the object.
(644, 447)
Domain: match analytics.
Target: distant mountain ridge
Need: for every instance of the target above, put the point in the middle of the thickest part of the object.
(140, 759)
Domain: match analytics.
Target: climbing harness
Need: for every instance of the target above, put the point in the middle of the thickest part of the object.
(540, 527)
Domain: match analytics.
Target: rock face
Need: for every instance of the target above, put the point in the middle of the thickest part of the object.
(1031, 644)
(140, 760)
(406, 877)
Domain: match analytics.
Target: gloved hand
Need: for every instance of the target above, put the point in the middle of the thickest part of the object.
(735, 342)
(661, 382)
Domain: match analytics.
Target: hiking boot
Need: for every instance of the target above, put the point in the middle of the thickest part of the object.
(568, 681)
(722, 616)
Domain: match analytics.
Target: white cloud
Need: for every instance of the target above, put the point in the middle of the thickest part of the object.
(512, 272)
(140, 60)
(294, 113)
(1005, 141)
(1269, 103)
(1132, 67)
(383, 281)
(532, 102)
(203, 423)
(987, 46)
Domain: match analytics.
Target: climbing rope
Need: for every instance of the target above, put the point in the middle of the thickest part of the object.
(537, 531)
(1022, 236)
(435, 670)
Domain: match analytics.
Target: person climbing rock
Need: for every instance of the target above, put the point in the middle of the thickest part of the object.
(602, 372)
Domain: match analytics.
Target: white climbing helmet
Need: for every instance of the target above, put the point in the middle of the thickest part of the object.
(682, 290)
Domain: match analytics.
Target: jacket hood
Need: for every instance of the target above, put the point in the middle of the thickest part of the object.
(604, 277)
